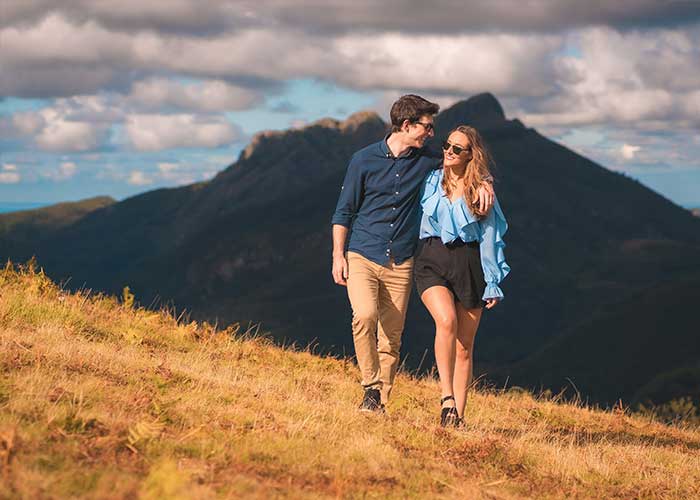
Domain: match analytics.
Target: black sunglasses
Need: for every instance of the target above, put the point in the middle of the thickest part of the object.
(427, 126)
(455, 149)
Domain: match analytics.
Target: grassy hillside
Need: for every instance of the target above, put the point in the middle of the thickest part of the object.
(102, 399)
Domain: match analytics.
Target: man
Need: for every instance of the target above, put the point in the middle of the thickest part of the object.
(380, 202)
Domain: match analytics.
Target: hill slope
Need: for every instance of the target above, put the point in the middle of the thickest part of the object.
(254, 242)
(101, 400)
(28, 228)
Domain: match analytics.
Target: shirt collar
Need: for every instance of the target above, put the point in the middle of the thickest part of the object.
(387, 152)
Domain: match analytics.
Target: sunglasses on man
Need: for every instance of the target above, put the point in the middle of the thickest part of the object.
(429, 127)
(458, 150)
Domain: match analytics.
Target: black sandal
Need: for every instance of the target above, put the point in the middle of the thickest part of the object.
(449, 416)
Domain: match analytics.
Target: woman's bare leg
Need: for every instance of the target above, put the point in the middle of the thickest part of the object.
(467, 324)
(441, 305)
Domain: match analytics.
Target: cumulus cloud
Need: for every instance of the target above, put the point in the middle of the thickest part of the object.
(9, 174)
(138, 178)
(618, 79)
(262, 58)
(628, 151)
(167, 167)
(60, 134)
(28, 123)
(150, 132)
(64, 171)
(505, 64)
(207, 96)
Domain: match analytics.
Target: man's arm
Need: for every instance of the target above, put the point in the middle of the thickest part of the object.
(349, 202)
(340, 263)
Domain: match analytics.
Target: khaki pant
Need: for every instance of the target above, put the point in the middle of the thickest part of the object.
(379, 297)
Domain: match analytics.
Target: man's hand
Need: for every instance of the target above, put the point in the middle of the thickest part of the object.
(492, 302)
(486, 196)
(340, 269)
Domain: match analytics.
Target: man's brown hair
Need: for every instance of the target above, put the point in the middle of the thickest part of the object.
(410, 107)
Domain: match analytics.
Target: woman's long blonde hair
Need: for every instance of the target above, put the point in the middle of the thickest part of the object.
(478, 169)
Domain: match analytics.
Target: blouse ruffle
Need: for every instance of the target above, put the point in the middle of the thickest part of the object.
(452, 220)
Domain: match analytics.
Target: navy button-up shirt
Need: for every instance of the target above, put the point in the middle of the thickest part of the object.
(380, 201)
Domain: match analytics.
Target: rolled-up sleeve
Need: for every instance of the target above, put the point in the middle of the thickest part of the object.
(350, 195)
(493, 260)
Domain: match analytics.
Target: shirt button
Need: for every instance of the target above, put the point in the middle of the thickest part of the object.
(397, 192)
(391, 225)
(397, 175)
(393, 208)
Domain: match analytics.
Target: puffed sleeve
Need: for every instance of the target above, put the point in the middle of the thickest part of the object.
(351, 193)
(493, 259)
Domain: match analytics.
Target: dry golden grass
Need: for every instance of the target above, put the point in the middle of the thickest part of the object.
(99, 399)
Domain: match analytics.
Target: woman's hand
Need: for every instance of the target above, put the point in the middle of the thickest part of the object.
(486, 196)
(492, 302)
(340, 269)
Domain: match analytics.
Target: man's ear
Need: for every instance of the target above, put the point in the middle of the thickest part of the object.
(405, 126)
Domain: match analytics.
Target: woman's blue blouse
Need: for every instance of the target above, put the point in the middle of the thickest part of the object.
(448, 221)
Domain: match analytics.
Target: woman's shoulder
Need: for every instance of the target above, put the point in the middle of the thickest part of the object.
(434, 177)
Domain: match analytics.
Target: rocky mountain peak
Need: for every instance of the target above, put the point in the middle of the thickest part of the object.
(482, 111)
(350, 125)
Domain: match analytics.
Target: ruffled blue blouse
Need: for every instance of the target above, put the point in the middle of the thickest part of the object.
(448, 221)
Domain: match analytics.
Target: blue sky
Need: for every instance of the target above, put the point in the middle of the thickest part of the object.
(117, 99)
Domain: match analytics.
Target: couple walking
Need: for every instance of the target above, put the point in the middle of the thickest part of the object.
(414, 212)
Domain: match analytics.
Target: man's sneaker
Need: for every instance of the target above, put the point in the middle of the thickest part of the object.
(372, 401)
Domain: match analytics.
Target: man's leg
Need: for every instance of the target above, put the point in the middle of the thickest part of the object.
(363, 286)
(394, 292)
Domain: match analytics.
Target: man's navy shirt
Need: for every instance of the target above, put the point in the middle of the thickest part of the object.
(380, 201)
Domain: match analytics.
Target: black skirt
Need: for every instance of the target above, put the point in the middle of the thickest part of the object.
(456, 266)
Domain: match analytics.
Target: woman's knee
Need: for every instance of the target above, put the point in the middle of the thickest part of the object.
(462, 353)
(446, 324)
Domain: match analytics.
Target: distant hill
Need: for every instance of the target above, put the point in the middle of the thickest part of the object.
(254, 244)
(25, 229)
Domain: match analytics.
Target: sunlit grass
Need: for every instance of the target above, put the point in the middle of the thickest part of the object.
(102, 399)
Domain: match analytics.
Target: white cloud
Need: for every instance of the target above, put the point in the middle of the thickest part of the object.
(212, 95)
(63, 135)
(613, 76)
(642, 79)
(166, 167)
(263, 56)
(138, 178)
(28, 123)
(628, 151)
(150, 132)
(9, 174)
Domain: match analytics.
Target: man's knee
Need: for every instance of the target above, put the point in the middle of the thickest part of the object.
(364, 320)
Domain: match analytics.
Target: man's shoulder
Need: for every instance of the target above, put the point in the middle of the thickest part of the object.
(368, 151)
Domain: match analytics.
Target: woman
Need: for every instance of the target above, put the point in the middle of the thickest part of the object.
(460, 262)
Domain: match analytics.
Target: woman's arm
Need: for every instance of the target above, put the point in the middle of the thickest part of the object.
(493, 260)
